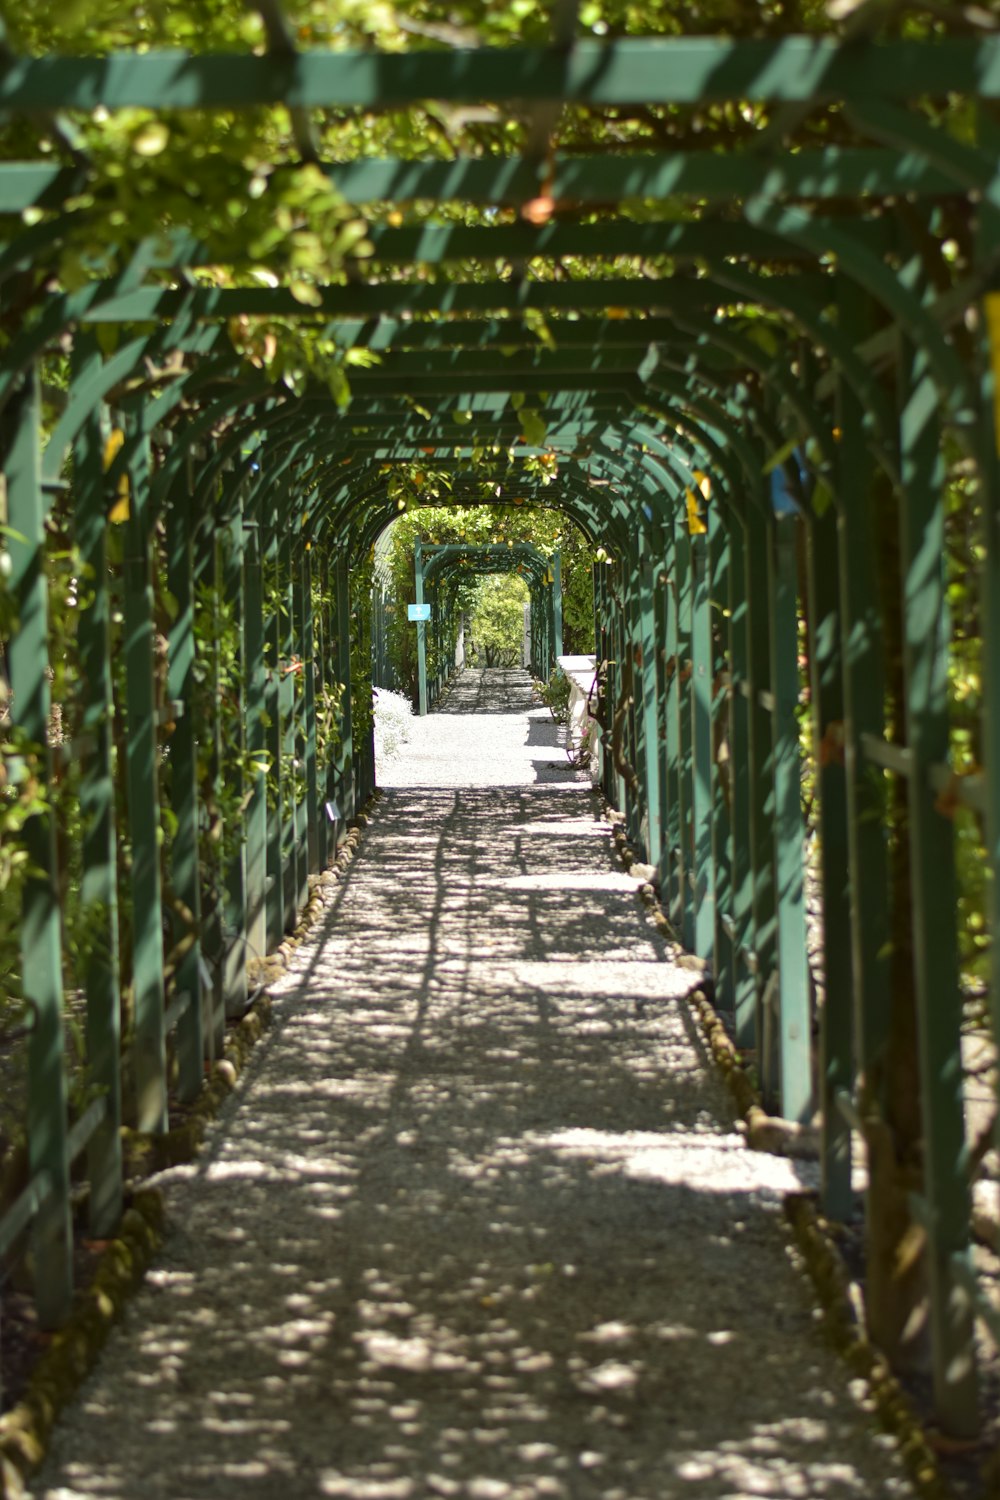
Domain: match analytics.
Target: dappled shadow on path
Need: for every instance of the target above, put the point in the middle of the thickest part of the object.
(489, 690)
(476, 1229)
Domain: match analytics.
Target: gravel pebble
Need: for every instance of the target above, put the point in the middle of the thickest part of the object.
(471, 1225)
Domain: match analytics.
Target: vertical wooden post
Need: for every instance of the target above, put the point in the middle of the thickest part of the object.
(742, 867)
(184, 864)
(724, 958)
(209, 738)
(296, 683)
(677, 864)
(345, 762)
(99, 886)
(234, 897)
(836, 1068)
(647, 687)
(418, 582)
(309, 675)
(273, 709)
(864, 713)
(703, 894)
(760, 784)
(41, 947)
(927, 630)
(685, 733)
(795, 1034)
(661, 594)
(143, 794)
(319, 570)
(287, 695)
(256, 691)
(557, 607)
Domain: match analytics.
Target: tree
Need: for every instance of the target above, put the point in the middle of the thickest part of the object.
(497, 627)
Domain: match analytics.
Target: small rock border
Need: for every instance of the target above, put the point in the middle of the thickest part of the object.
(811, 1233)
(74, 1349)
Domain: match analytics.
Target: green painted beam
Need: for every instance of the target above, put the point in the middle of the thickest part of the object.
(795, 1039)
(183, 774)
(646, 70)
(686, 875)
(557, 605)
(741, 862)
(927, 631)
(99, 885)
(142, 764)
(464, 387)
(836, 1059)
(700, 694)
(277, 797)
(639, 294)
(646, 690)
(760, 784)
(233, 539)
(723, 955)
(864, 688)
(303, 681)
(420, 368)
(41, 949)
(836, 172)
(210, 757)
(307, 636)
(418, 580)
(498, 333)
(434, 243)
(288, 654)
(255, 678)
(37, 184)
(345, 752)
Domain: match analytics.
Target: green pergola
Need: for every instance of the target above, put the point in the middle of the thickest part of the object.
(747, 409)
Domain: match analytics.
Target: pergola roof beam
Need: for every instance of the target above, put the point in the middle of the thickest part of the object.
(599, 180)
(650, 70)
(433, 243)
(581, 181)
(641, 294)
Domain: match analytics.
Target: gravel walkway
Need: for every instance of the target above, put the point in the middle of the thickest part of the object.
(476, 1223)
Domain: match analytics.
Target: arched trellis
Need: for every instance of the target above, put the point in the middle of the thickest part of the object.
(780, 379)
(436, 565)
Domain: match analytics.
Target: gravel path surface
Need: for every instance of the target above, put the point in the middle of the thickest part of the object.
(476, 1223)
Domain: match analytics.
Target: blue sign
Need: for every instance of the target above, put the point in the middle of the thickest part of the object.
(419, 612)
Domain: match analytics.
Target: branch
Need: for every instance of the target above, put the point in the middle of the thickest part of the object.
(280, 40)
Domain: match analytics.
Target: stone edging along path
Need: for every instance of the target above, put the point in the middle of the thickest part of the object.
(73, 1351)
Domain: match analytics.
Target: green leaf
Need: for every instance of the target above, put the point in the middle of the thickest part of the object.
(306, 293)
(107, 337)
(780, 455)
(338, 385)
(534, 428)
(822, 498)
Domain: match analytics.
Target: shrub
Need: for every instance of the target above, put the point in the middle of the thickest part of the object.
(393, 713)
(555, 694)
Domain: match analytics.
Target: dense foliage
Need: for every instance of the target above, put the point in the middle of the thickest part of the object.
(496, 622)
